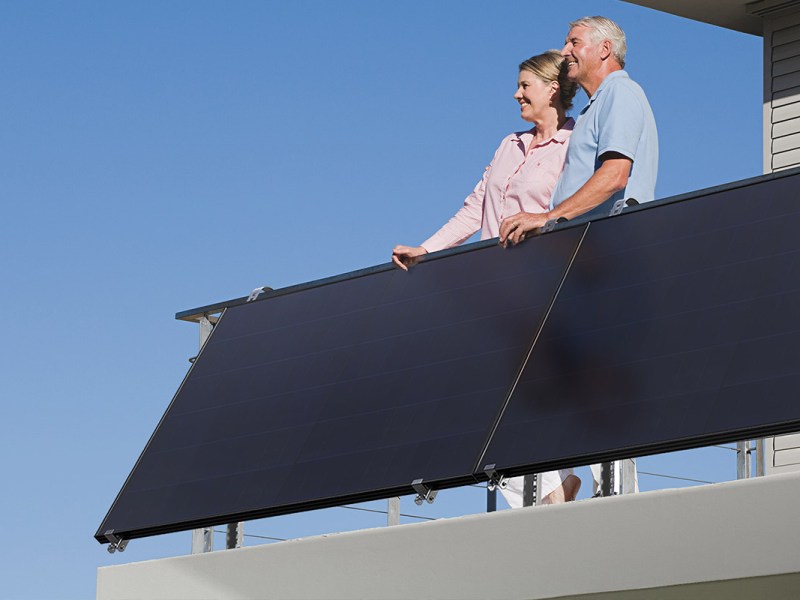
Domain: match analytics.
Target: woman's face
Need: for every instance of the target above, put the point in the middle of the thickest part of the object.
(534, 96)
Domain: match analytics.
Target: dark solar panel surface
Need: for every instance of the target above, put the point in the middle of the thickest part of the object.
(346, 391)
(676, 326)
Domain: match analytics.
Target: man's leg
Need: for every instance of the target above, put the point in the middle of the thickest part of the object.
(559, 486)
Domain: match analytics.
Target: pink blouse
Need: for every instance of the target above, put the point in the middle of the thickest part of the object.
(520, 178)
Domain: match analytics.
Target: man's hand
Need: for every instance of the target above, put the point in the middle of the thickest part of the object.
(515, 229)
(406, 256)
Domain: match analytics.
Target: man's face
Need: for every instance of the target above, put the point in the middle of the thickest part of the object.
(582, 54)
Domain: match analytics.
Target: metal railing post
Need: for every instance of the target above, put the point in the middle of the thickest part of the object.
(627, 476)
(529, 490)
(743, 460)
(393, 512)
(761, 457)
(234, 536)
(607, 478)
(203, 539)
(491, 499)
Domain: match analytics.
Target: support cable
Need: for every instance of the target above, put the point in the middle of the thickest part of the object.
(253, 535)
(675, 477)
(384, 512)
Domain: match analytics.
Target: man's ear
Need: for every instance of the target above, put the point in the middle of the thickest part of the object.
(605, 49)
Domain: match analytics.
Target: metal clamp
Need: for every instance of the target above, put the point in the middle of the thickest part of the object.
(115, 543)
(257, 292)
(548, 226)
(621, 205)
(551, 224)
(496, 480)
(424, 493)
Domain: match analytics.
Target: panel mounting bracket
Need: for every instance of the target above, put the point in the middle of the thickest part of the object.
(551, 224)
(424, 493)
(621, 205)
(115, 543)
(257, 292)
(496, 480)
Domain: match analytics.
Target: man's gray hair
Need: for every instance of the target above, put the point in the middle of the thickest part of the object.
(605, 29)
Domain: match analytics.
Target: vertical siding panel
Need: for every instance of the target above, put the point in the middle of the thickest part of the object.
(782, 92)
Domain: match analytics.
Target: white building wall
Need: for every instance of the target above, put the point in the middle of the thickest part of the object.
(782, 91)
(731, 541)
(782, 453)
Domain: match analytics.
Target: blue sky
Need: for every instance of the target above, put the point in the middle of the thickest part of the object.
(158, 156)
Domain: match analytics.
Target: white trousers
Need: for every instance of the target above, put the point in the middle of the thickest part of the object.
(550, 481)
(626, 481)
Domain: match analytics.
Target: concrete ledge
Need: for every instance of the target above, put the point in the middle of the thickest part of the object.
(738, 539)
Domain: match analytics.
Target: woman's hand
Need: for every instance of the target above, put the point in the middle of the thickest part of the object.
(514, 229)
(406, 256)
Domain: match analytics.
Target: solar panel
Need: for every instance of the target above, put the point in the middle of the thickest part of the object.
(677, 326)
(346, 391)
(672, 326)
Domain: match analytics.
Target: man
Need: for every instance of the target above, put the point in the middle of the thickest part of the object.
(613, 153)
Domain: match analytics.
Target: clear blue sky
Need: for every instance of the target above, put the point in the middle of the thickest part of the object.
(158, 156)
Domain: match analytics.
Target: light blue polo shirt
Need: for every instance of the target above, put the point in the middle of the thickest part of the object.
(618, 118)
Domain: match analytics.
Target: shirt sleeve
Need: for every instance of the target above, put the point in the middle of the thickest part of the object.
(622, 117)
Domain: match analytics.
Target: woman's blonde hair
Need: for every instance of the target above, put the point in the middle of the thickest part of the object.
(550, 66)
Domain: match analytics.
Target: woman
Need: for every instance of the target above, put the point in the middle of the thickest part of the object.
(519, 180)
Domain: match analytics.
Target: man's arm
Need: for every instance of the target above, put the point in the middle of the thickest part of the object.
(611, 177)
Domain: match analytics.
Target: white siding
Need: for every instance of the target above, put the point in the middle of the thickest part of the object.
(783, 453)
(782, 82)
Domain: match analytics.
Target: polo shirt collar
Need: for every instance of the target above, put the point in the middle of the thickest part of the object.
(561, 136)
(603, 84)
